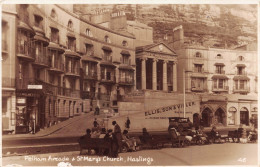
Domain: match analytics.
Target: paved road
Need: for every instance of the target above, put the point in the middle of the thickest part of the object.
(215, 154)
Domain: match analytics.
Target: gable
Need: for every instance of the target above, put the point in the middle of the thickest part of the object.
(161, 48)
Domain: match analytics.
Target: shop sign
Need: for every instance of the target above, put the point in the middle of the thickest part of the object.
(21, 100)
(34, 86)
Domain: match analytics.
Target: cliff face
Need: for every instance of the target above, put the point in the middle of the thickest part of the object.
(209, 25)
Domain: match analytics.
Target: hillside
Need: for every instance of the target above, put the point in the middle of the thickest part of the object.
(210, 25)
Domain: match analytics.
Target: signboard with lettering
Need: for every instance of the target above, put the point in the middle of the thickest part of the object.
(21, 100)
(34, 86)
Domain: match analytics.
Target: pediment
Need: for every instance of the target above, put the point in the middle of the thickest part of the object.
(161, 48)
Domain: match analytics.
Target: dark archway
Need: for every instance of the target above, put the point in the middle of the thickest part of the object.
(244, 116)
(206, 115)
(220, 116)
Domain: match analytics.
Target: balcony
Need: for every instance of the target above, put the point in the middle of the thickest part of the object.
(246, 89)
(41, 59)
(56, 67)
(74, 72)
(198, 70)
(25, 51)
(107, 58)
(126, 81)
(90, 75)
(219, 71)
(88, 95)
(219, 89)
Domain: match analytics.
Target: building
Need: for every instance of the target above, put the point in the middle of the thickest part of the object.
(226, 80)
(60, 66)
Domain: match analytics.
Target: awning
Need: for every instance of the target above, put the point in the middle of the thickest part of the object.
(107, 48)
(219, 77)
(55, 46)
(126, 67)
(219, 64)
(125, 52)
(242, 77)
(88, 42)
(71, 35)
(24, 26)
(71, 53)
(87, 58)
(241, 65)
(107, 63)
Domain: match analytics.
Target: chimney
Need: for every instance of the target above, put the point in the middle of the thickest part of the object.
(118, 21)
(178, 37)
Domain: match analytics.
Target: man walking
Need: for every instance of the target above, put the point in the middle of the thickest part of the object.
(118, 135)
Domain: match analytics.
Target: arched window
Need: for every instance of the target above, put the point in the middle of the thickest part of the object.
(70, 24)
(53, 13)
(124, 43)
(88, 32)
(198, 54)
(107, 40)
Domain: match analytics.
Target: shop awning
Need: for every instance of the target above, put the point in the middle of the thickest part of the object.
(242, 77)
(125, 52)
(54, 26)
(24, 26)
(42, 38)
(107, 48)
(219, 64)
(55, 46)
(241, 65)
(107, 63)
(219, 77)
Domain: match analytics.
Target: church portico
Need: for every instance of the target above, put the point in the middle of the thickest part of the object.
(156, 68)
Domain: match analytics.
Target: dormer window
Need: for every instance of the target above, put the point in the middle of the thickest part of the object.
(70, 24)
(198, 54)
(107, 40)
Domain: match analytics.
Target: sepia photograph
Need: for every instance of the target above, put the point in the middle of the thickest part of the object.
(129, 83)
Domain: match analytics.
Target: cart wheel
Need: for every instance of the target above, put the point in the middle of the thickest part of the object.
(124, 148)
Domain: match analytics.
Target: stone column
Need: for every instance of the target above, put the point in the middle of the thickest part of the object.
(155, 74)
(165, 86)
(143, 79)
(174, 77)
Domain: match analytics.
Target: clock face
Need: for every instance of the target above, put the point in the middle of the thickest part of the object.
(161, 47)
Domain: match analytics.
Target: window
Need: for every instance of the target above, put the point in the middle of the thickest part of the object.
(4, 105)
(125, 59)
(221, 83)
(88, 32)
(215, 86)
(219, 69)
(242, 84)
(241, 58)
(51, 78)
(197, 67)
(54, 35)
(24, 43)
(124, 43)
(219, 56)
(89, 50)
(107, 40)
(53, 13)
(72, 44)
(232, 115)
(70, 24)
(198, 54)
(38, 21)
(4, 35)
(240, 70)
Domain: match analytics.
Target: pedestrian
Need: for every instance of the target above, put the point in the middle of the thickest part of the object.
(118, 135)
(131, 142)
(127, 123)
(95, 123)
(96, 111)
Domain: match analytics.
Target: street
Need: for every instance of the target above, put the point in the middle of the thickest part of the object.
(214, 154)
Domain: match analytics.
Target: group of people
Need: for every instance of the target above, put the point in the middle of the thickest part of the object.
(115, 136)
